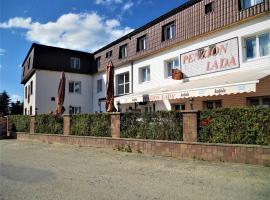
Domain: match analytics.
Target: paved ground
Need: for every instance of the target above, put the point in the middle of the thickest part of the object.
(49, 171)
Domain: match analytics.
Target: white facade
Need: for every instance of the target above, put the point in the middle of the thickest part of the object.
(45, 83)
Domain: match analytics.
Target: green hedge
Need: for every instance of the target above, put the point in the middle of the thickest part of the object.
(236, 125)
(162, 125)
(98, 125)
(18, 123)
(48, 124)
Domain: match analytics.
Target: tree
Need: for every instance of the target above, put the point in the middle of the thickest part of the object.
(16, 108)
(4, 103)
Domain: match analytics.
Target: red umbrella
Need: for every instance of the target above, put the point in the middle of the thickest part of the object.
(61, 95)
(110, 88)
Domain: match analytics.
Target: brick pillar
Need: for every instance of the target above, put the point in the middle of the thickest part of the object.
(66, 125)
(115, 125)
(32, 125)
(190, 125)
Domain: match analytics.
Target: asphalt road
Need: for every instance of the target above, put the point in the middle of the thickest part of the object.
(38, 171)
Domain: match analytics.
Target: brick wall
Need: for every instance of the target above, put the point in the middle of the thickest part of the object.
(249, 154)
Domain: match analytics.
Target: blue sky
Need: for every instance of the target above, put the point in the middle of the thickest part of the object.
(84, 25)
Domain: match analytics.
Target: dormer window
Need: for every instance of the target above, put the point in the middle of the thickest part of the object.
(75, 63)
(123, 51)
(249, 3)
(141, 43)
(98, 62)
(208, 8)
(168, 31)
(109, 54)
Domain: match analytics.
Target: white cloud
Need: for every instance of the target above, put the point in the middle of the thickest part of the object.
(15, 97)
(2, 51)
(127, 6)
(83, 31)
(108, 2)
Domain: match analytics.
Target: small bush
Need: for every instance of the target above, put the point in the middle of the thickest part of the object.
(162, 125)
(98, 125)
(48, 124)
(18, 123)
(236, 125)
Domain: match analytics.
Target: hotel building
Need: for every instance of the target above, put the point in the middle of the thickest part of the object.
(221, 48)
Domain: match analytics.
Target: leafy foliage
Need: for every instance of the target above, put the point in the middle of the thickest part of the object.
(236, 125)
(161, 125)
(91, 125)
(16, 108)
(4, 103)
(18, 123)
(48, 124)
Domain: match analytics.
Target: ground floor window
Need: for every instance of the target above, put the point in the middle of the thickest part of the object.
(212, 104)
(73, 110)
(179, 107)
(259, 101)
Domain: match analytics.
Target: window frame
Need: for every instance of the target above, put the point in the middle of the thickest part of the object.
(109, 54)
(74, 61)
(98, 62)
(254, 3)
(207, 6)
(259, 98)
(214, 102)
(125, 46)
(167, 75)
(74, 83)
(73, 108)
(144, 38)
(141, 74)
(172, 32)
(125, 84)
(99, 85)
(257, 47)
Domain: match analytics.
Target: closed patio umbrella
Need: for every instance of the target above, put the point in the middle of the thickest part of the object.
(61, 95)
(110, 88)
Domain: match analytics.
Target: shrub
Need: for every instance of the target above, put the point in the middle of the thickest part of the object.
(162, 125)
(18, 123)
(49, 124)
(236, 125)
(91, 125)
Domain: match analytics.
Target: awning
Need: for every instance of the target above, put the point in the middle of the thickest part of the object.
(241, 81)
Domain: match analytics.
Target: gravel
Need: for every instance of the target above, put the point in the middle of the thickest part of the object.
(32, 170)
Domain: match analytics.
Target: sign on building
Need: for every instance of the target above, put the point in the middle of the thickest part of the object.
(213, 58)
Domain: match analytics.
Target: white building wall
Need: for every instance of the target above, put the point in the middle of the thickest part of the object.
(32, 99)
(47, 83)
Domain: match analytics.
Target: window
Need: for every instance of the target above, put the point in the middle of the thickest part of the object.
(144, 74)
(208, 8)
(179, 107)
(30, 110)
(168, 31)
(28, 94)
(25, 111)
(99, 85)
(109, 54)
(25, 92)
(52, 98)
(248, 3)
(123, 83)
(141, 43)
(257, 46)
(31, 87)
(123, 51)
(73, 110)
(170, 65)
(75, 63)
(28, 63)
(212, 104)
(98, 59)
(259, 101)
(75, 87)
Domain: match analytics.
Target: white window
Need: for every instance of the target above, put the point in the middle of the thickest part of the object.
(123, 51)
(75, 63)
(123, 83)
(75, 87)
(168, 31)
(73, 110)
(144, 74)
(170, 65)
(257, 46)
(248, 3)
(141, 43)
(99, 85)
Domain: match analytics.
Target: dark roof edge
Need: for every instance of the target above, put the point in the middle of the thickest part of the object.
(184, 6)
(47, 46)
